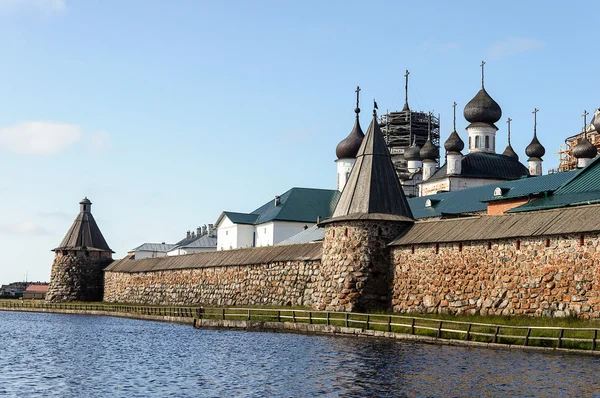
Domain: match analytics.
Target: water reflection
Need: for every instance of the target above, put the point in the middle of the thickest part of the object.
(75, 356)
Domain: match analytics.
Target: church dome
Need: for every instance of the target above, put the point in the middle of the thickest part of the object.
(535, 149)
(510, 152)
(348, 147)
(596, 120)
(454, 143)
(585, 149)
(429, 151)
(482, 108)
(412, 152)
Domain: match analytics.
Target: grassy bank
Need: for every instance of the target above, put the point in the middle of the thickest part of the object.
(525, 331)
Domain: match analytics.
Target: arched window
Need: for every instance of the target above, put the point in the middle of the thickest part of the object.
(477, 141)
(487, 142)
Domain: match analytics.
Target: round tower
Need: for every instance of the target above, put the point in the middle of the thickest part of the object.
(482, 112)
(453, 146)
(79, 261)
(347, 148)
(535, 150)
(355, 271)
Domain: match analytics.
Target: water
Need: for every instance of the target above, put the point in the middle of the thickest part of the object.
(52, 355)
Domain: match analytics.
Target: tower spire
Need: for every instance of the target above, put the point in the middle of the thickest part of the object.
(454, 110)
(508, 122)
(585, 113)
(406, 108)
(482, 65)
(357, 109)
(535, 111)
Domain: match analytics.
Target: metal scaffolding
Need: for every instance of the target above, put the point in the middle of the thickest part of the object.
(399, 129)
(565, 154)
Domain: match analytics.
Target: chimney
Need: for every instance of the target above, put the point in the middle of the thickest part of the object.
(204, 230)
(188, 235)
(211, 230)
(193, 234)
(199, 231)
(305, 227)
(318, 219)
(277, 200)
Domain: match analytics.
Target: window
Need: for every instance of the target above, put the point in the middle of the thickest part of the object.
(487, 141)
(265, 230)
(547, 244)
(476, 141)
(226, 232)
(518, 245)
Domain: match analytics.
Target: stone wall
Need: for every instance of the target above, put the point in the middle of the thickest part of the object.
(277, 283)
(355, 272)
(545, 276)
(77, 275)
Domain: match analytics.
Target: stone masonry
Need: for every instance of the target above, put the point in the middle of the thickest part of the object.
(278, 283)
(77, 276)
(355, 271)
(543, 276)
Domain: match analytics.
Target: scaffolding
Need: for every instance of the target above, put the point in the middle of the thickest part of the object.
(566, 160)
(399, 129)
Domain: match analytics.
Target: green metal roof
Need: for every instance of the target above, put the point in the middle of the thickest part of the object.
(473, 199)
(241, 218)
(582, 188)
(295, 205)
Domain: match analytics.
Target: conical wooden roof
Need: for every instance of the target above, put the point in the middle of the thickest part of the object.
(373, 190)
(84, 234)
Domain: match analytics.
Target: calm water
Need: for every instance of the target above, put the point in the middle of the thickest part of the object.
(88, 356)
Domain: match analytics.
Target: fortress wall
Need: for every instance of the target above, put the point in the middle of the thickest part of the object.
(275, 283)
(543, 276)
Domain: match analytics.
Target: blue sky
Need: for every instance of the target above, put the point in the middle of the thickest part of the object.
(166, 113)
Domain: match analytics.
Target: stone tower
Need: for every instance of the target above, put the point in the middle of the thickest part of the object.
(79, 261)
(372, 211)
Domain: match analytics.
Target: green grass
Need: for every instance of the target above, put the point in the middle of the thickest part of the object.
(514, 328)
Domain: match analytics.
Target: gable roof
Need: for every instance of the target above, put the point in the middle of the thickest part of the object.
(582, 188)
(473, 199)
(521, 225)
(257, 255)
(311, 234)
(154, 247)
(84, 234)
(295, 205)
(485, 166)
(204, 241)
(373, 187)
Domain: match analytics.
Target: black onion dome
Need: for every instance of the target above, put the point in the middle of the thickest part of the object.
(482, 108)
(510, 152)
(85, 201)
(429, 151)
(454, 143)
(413, 152)
(596, 120)
(535, 149)
(585, 149)
(348, 147)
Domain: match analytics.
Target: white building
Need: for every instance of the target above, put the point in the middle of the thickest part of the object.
(277, 220)
(197, 244)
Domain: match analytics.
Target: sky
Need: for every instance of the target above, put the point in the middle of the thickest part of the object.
(165, 114)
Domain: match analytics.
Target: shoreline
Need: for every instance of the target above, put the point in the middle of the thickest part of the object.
(158, 318)
(307, 329)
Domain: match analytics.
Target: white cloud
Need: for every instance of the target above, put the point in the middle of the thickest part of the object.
(39, 138)
(44, 5)
(23, 228)
(513, 46)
